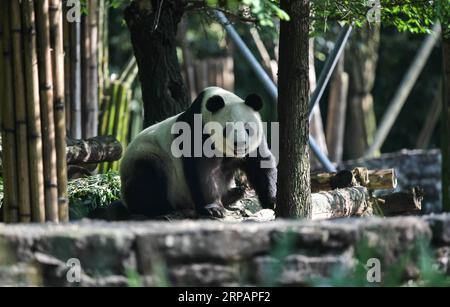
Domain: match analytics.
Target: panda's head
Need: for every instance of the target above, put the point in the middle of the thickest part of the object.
(240, 125)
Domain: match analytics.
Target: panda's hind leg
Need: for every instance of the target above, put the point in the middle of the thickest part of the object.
(145, 189)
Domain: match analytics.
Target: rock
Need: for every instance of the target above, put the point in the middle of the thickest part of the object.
(204, 274)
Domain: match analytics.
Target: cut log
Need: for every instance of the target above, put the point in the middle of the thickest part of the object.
(402, 203)
(371, 179)
(93, 150)
(354, 201)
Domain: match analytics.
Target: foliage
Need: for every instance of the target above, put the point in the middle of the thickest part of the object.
(416, 16)
(88, 194)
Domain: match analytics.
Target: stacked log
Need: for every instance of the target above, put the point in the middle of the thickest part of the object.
(350, 193)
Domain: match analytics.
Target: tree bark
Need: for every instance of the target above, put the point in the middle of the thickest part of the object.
(293, 187)
(154, 44)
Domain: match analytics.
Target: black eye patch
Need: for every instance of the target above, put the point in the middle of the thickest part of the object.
(254, 101)
(215, 103)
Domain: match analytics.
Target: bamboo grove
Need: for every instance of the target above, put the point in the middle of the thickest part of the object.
(56, 83)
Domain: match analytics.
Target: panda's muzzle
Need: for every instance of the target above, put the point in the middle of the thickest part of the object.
(240, 148)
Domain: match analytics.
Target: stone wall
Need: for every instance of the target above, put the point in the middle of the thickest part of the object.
(206, 253)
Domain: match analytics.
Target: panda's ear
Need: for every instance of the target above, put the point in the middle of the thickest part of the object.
(215, 103)
(254, 101)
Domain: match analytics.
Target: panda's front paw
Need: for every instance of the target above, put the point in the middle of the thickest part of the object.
(214, 210)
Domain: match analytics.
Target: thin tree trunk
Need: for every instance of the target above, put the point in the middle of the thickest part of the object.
(23, 174)
(163, 91)
(34, 114)
(361, 63)
(293, 187)
(47, 107)
(7, 111)
(337, 107)
(56, 31)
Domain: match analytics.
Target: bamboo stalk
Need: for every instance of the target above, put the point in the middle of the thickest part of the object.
(34, 114)
(47, 107)
(23, 174)
(91, 111)
(75, 80)
(119, 103)
(10, 210)
(56, 23)
(103, 71)
(85, 82)
(67, 68)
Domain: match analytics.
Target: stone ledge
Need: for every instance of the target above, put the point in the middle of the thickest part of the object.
(213, 253)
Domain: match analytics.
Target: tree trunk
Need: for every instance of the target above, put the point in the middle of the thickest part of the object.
(294, 194)
(154, 44)
(361, 63)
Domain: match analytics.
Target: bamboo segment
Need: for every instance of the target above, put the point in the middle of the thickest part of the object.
(104, 59)
(48, 127)
(75, 81)
(91, 110)
(34, 114)
(67, 68)
(23, 174)
(56, 31)
(10, 210)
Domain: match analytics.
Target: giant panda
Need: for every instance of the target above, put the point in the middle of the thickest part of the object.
(156, 180)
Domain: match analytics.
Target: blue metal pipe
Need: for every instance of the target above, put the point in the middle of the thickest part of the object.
(267, 82)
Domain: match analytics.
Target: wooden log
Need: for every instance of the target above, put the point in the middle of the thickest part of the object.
(22, 174)
(402, 203)
(331, 181)
(346, 202)
(48, 124)
(8, 126)
(94, 150)
(33, 114)
(56, 35)
(371, 179)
